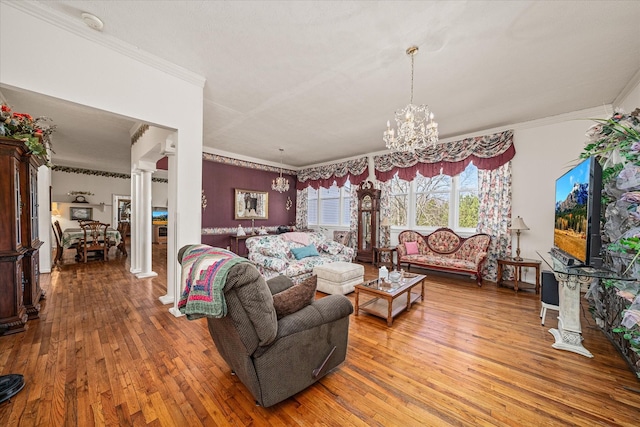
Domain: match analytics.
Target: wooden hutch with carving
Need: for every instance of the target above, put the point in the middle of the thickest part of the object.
(368, 221)
(20, 290)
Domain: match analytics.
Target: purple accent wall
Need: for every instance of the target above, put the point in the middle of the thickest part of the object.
(163, 164)
(219, 182)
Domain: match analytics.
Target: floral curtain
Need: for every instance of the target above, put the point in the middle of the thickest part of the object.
(385, 212)
(355, 171)
(353, 223)
(486, 152)
(302, 206)
(494, 215)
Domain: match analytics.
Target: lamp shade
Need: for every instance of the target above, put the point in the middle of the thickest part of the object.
(518, 224)
(55, 212)
(385, 222)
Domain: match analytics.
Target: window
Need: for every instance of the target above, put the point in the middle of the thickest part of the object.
(329, 206)
(440, 201)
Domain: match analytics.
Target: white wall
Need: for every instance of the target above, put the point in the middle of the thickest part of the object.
(543, 153)
(101, 202)
(89, 68)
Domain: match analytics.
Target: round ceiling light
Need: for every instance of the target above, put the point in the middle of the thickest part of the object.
(92, 21)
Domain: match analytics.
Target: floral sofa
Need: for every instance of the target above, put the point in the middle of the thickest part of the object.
(273, 254)
(444, 250)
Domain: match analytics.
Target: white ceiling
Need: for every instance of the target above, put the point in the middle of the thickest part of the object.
(321, 78)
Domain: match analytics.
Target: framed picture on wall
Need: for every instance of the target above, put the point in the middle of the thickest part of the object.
(251, 204)
(81, 213)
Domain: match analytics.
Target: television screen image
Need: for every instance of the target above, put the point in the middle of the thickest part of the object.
(577, 211)
(160, 215)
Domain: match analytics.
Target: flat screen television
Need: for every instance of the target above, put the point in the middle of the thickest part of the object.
(576, 232)
(160, 216)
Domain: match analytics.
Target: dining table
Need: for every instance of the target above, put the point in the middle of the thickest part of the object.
(73, 235)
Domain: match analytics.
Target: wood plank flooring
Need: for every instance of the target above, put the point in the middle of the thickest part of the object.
(105, 351)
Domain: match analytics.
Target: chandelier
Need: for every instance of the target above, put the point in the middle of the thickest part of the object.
(416, 128)
(280, 184)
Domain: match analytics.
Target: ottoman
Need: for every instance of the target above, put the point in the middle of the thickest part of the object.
(339, 277)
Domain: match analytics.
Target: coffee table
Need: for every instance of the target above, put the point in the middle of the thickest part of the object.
(386, 301)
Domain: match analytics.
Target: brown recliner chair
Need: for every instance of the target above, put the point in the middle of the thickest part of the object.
(276, 359)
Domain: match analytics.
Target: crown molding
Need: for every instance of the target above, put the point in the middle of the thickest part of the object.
(214, 151)
(626, 90)
(78, 28)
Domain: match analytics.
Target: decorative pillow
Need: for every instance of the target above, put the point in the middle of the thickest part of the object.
(305, 251)
(331, 247)
(412, 248)
(279, 283)
(295, 298)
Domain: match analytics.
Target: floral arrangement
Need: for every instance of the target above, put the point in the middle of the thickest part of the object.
(36, 133)
(615, 142)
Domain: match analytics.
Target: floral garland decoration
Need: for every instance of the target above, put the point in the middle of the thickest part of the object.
(615, 142)
(36, 133)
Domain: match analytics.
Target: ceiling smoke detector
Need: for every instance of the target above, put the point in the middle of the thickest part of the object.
(92, 21)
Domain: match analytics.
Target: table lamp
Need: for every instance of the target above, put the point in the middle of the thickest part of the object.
(518, 225)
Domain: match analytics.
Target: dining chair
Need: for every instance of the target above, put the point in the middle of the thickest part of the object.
(59, 255)
(123, 228)
(95, 240)
(59, 249)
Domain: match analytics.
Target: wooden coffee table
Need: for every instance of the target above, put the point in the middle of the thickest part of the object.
(386, 301)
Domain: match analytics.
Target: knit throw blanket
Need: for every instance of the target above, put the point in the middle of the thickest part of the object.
(204, 274)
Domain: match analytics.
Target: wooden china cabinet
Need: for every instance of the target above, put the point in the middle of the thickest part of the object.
(20, 290)
(368, 221)
(31, 237)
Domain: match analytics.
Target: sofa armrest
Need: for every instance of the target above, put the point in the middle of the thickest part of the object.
(480, 256)
(401, 250)
(321, 311)
(268, 262)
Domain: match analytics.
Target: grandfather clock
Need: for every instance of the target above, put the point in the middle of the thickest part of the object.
(368, 221)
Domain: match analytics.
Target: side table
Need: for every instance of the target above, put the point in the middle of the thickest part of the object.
(518, 264)
(377, 255)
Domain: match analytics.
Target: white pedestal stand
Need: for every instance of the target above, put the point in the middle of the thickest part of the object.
(568, 335)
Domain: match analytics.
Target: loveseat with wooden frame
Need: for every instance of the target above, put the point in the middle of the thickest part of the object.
(444, 250)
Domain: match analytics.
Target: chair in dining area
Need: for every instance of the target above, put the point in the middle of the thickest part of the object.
(59, 249)
(57, 232)
(123, 228)
(94, 240)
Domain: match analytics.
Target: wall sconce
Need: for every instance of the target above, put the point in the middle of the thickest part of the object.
(204, 201)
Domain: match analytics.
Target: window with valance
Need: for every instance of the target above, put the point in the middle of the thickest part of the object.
(486, 152)
(356, 171)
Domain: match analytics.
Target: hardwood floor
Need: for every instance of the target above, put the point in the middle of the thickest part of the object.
(105, 351)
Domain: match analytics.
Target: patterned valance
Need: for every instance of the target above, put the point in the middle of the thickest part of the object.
(355, 171)
(486, 152)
